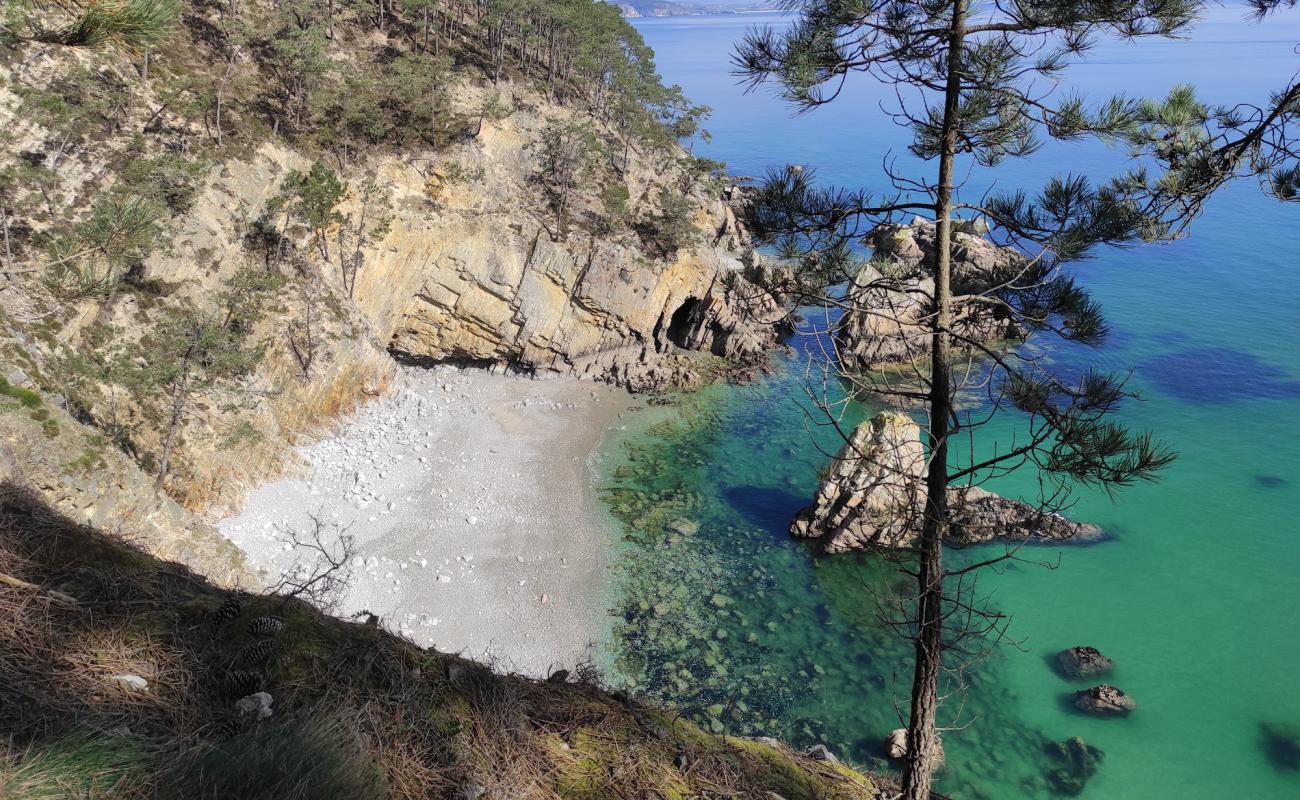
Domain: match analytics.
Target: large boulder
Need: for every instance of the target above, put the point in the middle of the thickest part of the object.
(870, 496)
(1083, 663)
(874, 492)
(1104, 700)
(891, 296)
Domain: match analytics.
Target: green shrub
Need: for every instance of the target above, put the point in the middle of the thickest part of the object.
(75, 768)
(311, 758)
(25, 397)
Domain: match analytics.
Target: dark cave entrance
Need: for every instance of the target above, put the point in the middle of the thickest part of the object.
(683, 320)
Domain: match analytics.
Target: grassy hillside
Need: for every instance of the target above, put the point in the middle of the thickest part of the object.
(356, 712)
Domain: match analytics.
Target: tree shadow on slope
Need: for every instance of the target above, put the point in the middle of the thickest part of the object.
(121, 676)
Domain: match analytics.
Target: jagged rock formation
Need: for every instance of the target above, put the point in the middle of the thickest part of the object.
(874, 494)
(467, 271)
(891, 296)
(480, 278)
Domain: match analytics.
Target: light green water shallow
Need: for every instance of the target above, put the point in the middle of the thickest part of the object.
(1197, 599)
(1194, 601)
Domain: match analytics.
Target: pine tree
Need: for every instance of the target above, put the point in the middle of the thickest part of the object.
(969, 78)
(1205, 147)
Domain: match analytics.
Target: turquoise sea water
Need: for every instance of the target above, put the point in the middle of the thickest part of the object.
(1197, 599)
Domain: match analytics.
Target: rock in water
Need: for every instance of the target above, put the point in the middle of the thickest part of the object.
(885, 325)
(684, 526)
(1077, 761)
(874, 493)
(896, 744)
(869, 498)
(1083, 663)
(1104, 700)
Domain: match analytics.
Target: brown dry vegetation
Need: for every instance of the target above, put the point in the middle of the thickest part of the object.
(359, 712)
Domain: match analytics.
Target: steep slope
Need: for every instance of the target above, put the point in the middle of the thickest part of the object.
(117, 670)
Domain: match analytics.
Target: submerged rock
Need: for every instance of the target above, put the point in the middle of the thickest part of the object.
(1077, 761)
(1104, 700)
(1282, 742)
(1083, 663)
(874, 494)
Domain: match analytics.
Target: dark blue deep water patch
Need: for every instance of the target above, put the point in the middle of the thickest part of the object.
(1218, 375)
(765, 506)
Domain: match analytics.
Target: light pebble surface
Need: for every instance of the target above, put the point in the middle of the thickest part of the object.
(470, 500)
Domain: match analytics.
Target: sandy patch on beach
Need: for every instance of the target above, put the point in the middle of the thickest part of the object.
(469, 498)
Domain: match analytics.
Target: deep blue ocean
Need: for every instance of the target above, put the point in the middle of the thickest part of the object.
(1198, 597)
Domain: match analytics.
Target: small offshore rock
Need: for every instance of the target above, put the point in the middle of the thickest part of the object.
(896, 744)
(1083, 663)
(1104, 700)
(131, 683)
(873, 493)
(256, 705)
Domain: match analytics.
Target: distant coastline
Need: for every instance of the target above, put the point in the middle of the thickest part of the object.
(640, 9)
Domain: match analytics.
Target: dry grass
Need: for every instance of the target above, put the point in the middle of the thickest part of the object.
(359, 712)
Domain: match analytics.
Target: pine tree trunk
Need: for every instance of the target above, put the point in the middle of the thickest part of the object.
(179, 392)
(922, 738)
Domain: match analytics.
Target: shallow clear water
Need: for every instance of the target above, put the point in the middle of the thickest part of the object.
(1195, 599)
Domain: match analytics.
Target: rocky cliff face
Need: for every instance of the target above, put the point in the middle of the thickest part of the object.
(471, 271)
(874, 495)
(467, 270)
